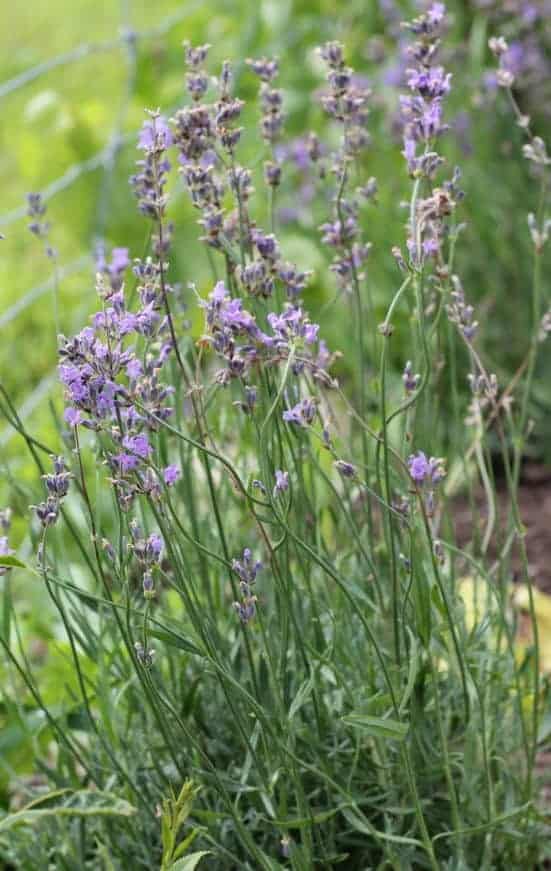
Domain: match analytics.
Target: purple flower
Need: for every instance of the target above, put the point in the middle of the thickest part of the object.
(47, 512)
(266, 69)
(57, 484)
(292, 324)
(154, 133)
(247, 570)
(437, 470)
(134, 368)
(246, 609)
(436, 12)
(126, 462)
(150, 178)
(302, 414)
(146, 550)
(72, 416)
(148, 586)
(422, 469)
(138, 445)
(155, 545)
(429, 82)
(171, 475)
(409, 379)
(246, 567)
(347, 470)
(36, 209)
(418, 466)
(281, 482)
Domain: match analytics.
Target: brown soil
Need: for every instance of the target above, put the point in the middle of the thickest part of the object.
(535, 510)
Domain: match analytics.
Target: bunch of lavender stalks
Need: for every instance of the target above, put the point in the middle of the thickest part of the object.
(251, 555)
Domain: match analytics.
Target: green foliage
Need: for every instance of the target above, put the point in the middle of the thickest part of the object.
(174, 814)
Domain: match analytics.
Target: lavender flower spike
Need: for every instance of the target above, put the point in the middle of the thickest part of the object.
(281, 482)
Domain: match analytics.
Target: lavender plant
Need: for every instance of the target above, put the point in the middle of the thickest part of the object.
(268, 598)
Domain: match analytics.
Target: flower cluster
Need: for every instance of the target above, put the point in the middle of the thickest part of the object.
(271, 101)
(57, 487)
(524, 58)
(199, 130)
(148, 552)
(484, 389)
(281, 482)
(345, 469)
(258, 276)
(115, 269)
(346, 103)
(150, 180)
(423, 470)
(427, 473)
(234, 334)
(197, 82)
(429, 227)
(247, 570)
(343, 235)
(110, 386)
(303, 413)
(422, 121)
(460, 313)
(410, 380)
(39, 227)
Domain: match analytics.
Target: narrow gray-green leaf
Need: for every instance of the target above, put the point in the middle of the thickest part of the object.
(11, 562)
(378, 727)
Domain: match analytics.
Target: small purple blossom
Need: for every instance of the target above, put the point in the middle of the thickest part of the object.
(281, 482)
(148, 586)
(72, 416)
(116, 268)
(48, 511)
(423, 470)
(57, 484)
(265, 68)
(155, 133)
(418, 466)
(247, 569)
(57, 487)
(36, 210)
(138, 445)
(410, 380)
(150, 179)
(246, 609)
(347, 470)
(302, 414)
(171, 475)
(146, 550)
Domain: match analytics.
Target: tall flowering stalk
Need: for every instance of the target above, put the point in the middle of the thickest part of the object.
(535, 153)
(347, 104)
